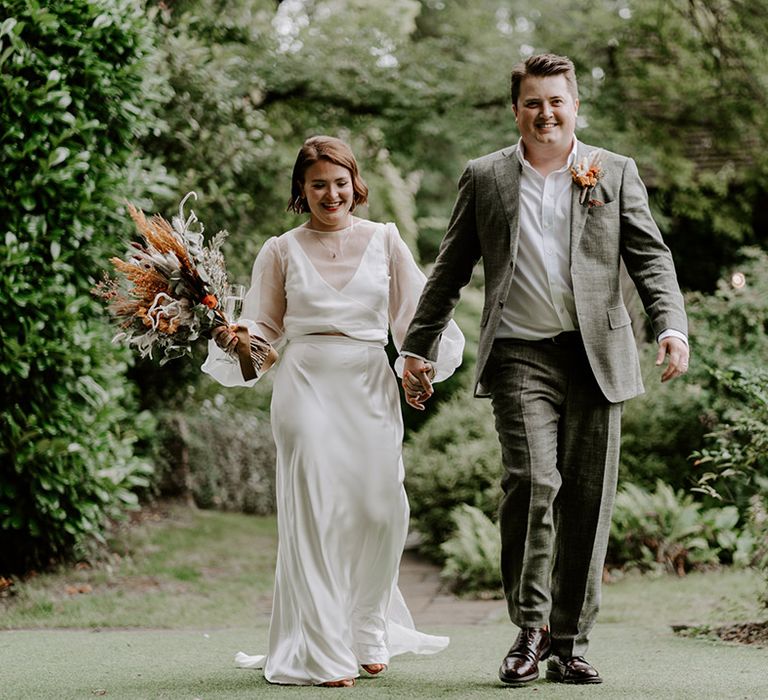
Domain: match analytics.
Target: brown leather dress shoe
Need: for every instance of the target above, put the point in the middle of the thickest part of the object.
(574, 670)
(521, 664)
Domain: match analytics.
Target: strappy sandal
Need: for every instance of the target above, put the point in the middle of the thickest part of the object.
(343, 683)
(373, 669)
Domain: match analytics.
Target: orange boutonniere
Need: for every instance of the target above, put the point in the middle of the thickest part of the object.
(586, 175)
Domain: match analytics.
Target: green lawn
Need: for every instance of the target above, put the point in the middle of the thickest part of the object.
(193, 568)
(713, 598)
(637, 662)
(196, 590)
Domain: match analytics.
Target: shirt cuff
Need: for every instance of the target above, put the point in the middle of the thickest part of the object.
(413, 354)
(671, 333)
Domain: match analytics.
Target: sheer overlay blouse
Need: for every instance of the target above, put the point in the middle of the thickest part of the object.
(358, 281)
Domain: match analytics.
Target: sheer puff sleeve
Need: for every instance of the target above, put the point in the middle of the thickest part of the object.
(405, 286)
(263, 313)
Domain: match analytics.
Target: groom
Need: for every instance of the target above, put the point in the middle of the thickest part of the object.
(552, 218)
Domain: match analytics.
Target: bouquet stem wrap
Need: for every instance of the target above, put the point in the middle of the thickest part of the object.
(254, 354)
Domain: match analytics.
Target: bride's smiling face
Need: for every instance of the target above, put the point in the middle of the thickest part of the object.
(330, 196)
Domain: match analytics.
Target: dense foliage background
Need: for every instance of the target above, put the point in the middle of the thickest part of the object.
(75, 88)
(110, 99)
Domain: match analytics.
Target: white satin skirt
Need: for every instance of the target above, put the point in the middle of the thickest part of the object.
(342, 515)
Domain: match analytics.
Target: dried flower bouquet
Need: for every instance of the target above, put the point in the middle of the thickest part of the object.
(168, 289)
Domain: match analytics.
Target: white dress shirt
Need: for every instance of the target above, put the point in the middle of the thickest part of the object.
(540, 302)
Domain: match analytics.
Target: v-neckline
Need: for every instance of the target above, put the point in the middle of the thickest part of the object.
(341, 289)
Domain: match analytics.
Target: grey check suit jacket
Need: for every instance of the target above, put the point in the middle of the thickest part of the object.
(485, 224)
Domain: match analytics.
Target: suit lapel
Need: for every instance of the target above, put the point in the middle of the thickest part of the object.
(579, 212)
(507, 172)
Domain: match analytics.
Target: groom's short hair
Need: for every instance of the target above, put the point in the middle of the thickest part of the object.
(540, 66)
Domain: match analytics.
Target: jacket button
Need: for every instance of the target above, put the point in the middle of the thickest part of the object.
(501, 304)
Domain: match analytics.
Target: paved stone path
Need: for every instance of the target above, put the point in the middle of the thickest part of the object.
(431, 603)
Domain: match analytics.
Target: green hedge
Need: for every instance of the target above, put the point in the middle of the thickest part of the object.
(662, 427)
(455, 458)
(73, 87)
(220, 456)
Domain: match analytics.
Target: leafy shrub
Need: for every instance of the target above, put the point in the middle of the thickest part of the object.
(729, 335)
(222, 456)
(473, 552)
(669, 530)
(664, 530)
(661, 428)
(72, 79)
(758, 527)
(454, 459)
(735, 456)
(452, 454)
(736, 451)
(730, 326)
(746, 545)
(217, 140)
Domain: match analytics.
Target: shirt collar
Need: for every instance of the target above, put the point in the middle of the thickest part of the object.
(568, 163)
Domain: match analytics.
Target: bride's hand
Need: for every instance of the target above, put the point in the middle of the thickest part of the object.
(225, 338)
(417, 382)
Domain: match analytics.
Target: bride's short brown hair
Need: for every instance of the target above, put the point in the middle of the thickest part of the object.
(333, 150)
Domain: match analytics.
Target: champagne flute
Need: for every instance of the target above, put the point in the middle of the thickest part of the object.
(233, 302)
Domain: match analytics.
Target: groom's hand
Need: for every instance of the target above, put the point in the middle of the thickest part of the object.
(677, 353)
(417, 375)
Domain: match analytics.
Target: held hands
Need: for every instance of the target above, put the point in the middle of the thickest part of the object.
(677, 351)
(417, 376)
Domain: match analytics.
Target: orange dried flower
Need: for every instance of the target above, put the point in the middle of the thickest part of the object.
(586, 175)
(161, 282)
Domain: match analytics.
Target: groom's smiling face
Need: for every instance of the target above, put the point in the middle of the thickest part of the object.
(546, 113)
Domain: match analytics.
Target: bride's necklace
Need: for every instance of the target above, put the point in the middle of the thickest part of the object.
(342, 241)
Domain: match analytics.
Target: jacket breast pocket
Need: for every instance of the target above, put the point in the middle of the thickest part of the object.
(618, 317)
(606, 214)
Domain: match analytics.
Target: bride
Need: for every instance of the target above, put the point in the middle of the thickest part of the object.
(328, 291)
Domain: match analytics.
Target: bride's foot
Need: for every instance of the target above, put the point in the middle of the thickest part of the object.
(343, 683)
(373, 669)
